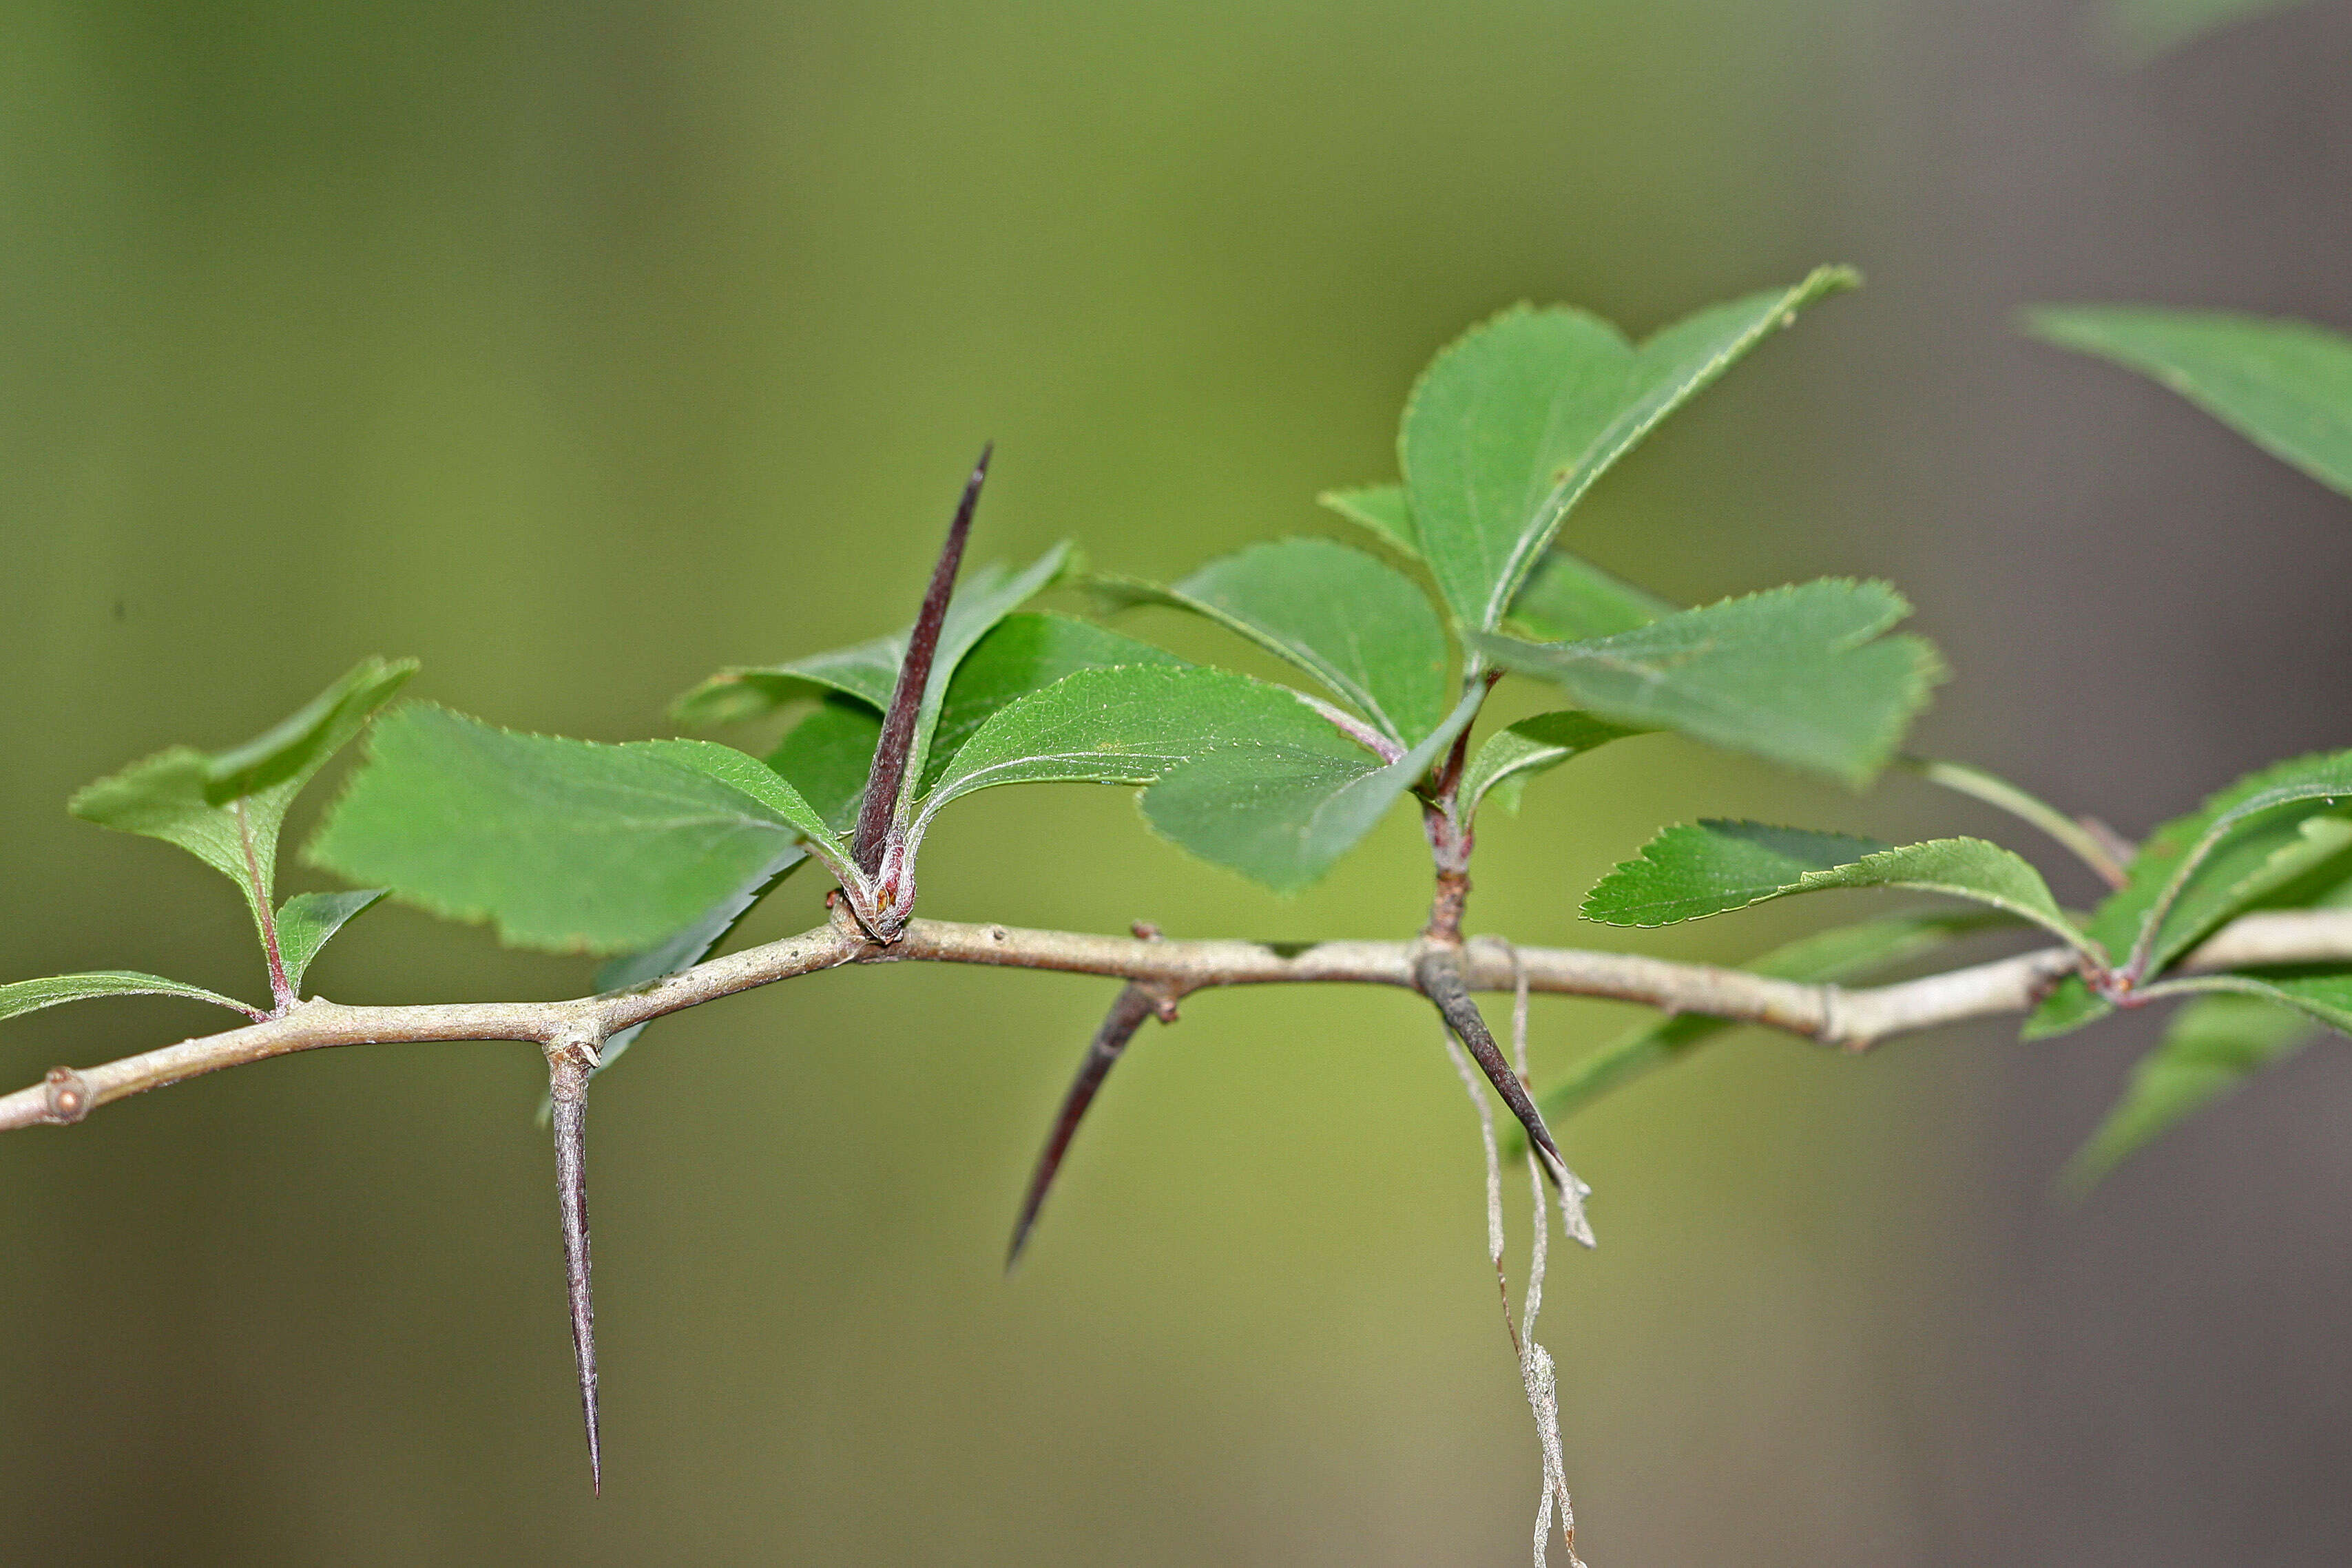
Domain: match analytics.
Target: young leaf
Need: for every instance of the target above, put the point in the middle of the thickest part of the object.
(225, 806)
(1511, 756)
(1512, 423)
(1360, 627)
(869, 670)
(1689, 871)
(31, 995)
(2210, 1046)
(307, 920)
(567, 845)
(2286, 386)
(2197, 871)
(1799, 674)
(1568, 600)
(1842, 953)
(1381, 508)
(1243, 773)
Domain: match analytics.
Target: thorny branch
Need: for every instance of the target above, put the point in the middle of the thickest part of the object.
(1159, 975)
(1848, 1019)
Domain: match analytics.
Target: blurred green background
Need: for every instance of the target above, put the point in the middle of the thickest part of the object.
(579, 350)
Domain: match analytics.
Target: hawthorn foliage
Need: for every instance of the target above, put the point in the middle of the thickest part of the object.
(650, 852)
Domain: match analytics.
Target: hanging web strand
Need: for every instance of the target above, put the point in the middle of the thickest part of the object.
(1535, 1361)
(1475, 1086)
(1536, 1372)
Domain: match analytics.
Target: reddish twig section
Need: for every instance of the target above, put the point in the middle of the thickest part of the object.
(568, 1066)
(875, 817)
(1134, 1003)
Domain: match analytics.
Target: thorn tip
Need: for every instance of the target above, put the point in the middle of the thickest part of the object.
(568, 1068)
(877, 816)
(1134, 1004)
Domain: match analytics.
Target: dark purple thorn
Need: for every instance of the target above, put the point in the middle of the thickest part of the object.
(1127, 1014)
(1439, 976)
(568, 1094)
(890, 754)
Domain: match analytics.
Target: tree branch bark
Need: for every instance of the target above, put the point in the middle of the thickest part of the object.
(1849, 1020)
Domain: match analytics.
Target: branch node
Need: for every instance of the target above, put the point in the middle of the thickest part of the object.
(68, 1094)
(1832, 1029)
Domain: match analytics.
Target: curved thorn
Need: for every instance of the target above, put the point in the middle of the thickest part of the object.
(875, 813)
(1135, 1004)
(568, 1068)
(1438, 973)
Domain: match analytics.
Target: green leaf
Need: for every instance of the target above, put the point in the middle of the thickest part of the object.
(1512, 423)
(1567, 599)
(567, 845)
(828, 755)
(1279, 792)
(31, 995)
(1980, 784)
(2286, 386)
(762, 783)
(1360, 627)
(2210, 1048)
(1843, 953)
(2264, 830)
(869, 670)
(307, 920)
(2319, 992)
(225, 806)
(1284, 818)
(2143, 29)
(1381, 508)
(1689, 871)
(2197, 871)
(1511, 756)
(1025, 653)
(1132, 725)
(1799, 674)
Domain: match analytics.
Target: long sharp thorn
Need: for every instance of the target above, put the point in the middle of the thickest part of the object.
(1439, 975)
(568, 1091)
(1134, 1005)
(889, 770)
